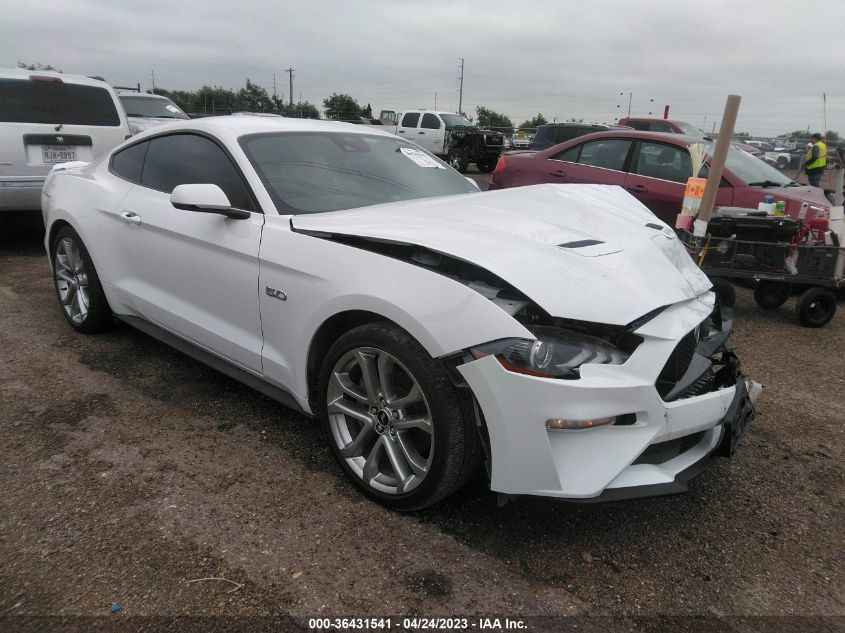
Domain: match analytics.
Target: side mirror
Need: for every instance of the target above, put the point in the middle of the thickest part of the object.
(205, 198)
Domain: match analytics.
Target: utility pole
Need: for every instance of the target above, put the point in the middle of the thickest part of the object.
(153, 76)
(461, 93)
(274, 85)
(435, 100)
(289, 71)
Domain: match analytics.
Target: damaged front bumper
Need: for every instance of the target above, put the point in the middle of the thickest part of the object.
(663, 435)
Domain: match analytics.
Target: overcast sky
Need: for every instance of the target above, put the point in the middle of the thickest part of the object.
(562, 58)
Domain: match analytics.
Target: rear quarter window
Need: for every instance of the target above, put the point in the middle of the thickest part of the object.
(26, 101)
(129, 163)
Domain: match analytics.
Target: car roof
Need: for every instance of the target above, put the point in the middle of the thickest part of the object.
(23, 73)
(667, 137)
(231, 127)
(646, 118)
(143, 95)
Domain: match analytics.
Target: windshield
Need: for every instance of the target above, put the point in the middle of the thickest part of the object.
(313, 172)
(453, 121)
(162, 107)
(686, 128)
(750, 169)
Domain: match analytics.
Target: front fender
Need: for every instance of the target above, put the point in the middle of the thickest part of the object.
(321, 278)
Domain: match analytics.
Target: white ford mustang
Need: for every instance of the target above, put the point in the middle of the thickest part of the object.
(560, 334)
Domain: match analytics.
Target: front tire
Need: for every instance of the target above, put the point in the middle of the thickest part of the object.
(393, 418)
(459, 160)
(77, 284)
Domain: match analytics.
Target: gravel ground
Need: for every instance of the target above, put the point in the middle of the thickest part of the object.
(129, 470)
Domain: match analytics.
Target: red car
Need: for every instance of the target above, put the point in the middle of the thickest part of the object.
(654, 168)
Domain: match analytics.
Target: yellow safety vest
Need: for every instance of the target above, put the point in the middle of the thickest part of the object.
(821, 161)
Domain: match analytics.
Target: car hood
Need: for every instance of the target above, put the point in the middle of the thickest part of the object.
(585, 252)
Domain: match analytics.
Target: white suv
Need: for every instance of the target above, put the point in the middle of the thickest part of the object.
(48, 118)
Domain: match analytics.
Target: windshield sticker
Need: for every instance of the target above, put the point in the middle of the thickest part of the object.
(172, 108)
(420, 158)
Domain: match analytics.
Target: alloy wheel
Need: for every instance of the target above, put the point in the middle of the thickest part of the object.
(72, 280)
(380, 420)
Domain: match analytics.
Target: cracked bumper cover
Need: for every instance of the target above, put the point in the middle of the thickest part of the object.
(606, 463)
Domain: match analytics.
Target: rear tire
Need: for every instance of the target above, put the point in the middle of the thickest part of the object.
(816, 307)
(770, 295)
(77, 284)
(393, 418)
(488, 164)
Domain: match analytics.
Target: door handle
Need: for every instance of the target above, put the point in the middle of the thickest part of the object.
(400, 132)
(559, 173)
(420, 132)
(637, 189)
(130, 216)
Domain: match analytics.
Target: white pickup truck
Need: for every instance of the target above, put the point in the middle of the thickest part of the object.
(450, 136)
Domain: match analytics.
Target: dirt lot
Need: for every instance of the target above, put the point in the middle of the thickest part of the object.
(129, 470)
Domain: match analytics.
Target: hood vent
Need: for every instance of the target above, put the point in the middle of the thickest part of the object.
(580, 243)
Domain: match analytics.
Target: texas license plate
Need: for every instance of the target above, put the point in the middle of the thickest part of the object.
(57, 153)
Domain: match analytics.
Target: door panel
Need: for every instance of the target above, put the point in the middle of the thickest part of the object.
(194, 274)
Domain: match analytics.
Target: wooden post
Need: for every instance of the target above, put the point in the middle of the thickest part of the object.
(717, 164)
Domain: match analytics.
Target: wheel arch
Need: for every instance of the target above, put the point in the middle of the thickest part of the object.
(325, 335)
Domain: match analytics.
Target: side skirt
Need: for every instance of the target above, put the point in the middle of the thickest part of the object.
(215, 362)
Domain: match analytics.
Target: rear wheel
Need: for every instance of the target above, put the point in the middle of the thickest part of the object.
(771, 294)
(77, 284)
(488, 164)
(459, 160)
(816, 307)
(393, 418)
(783, 162)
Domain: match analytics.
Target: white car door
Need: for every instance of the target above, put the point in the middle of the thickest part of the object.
(194, 274)
(431, 133)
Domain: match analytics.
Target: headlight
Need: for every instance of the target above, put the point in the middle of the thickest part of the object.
(555, 353)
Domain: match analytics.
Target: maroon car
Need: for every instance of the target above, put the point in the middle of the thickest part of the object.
(654, 168)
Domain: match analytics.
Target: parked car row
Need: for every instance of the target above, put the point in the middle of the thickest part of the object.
(654, 168)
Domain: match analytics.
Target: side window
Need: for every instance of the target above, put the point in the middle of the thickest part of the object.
(129, 162)
(430, 121)
(410, 119)
(606, 153)
(570, 155)
(638, 125)
(666, 162)
(182, 159)
(660, 127)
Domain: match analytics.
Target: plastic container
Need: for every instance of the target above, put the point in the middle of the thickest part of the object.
(768, 205)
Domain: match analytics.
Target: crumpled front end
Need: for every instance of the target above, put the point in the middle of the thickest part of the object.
(646, 425)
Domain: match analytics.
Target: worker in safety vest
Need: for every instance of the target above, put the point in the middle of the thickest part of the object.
(815, 160)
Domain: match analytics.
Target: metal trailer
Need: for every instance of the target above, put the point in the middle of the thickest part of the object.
(777, 268)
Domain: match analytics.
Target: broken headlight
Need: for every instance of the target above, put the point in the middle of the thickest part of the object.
(555, 353)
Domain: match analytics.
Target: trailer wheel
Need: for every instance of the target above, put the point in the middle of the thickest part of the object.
(816, 307)
(771, 294)
(725, 291)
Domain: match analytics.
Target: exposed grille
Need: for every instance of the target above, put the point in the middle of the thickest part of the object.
(704, 384)
(493, 139)
(677, 364)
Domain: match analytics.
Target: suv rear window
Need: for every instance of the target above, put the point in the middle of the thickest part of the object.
(25, 101)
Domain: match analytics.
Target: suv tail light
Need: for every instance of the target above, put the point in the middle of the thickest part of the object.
(500, 165)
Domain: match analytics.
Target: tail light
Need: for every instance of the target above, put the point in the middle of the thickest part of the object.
(500, 165)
